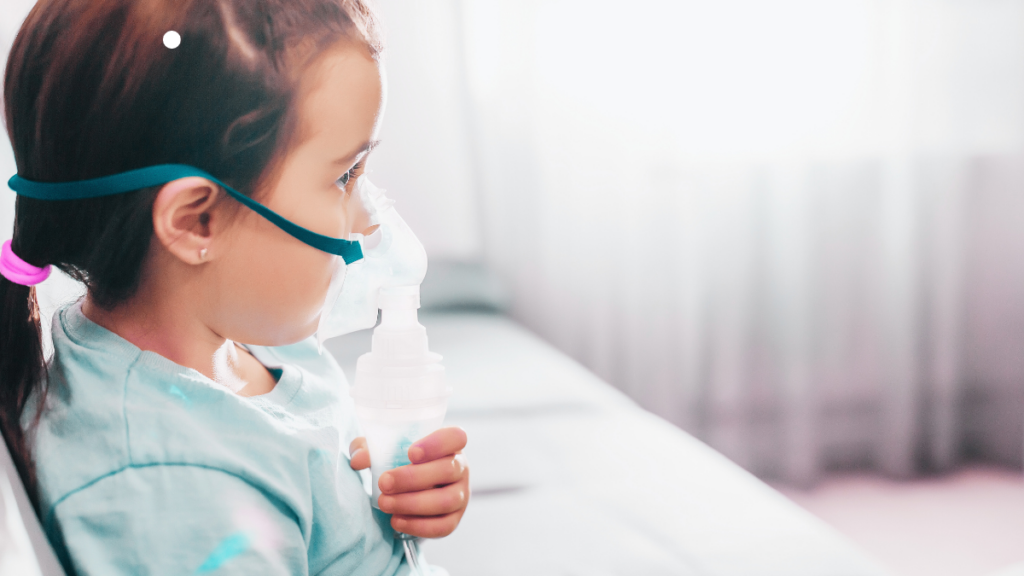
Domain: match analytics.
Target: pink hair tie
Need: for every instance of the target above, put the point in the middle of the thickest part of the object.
(18, 271)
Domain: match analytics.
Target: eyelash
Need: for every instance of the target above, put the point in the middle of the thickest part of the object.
(347, 176)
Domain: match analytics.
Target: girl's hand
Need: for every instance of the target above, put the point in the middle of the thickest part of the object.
(428, 497)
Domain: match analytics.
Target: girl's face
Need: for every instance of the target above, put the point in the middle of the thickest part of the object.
(267, 288)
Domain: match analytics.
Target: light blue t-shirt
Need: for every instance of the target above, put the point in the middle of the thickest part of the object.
(148, 467)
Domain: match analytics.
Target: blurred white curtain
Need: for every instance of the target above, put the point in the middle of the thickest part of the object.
(756, 218)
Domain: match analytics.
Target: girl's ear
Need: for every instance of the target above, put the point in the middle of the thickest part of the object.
(181, 218)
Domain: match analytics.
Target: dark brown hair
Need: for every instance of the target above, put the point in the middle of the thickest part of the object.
(90, 90)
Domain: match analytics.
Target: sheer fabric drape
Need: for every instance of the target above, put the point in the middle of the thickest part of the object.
(792, 228)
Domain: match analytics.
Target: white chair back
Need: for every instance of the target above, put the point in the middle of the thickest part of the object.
(24, 549)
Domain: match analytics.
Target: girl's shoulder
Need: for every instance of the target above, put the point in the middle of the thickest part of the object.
(112, 407)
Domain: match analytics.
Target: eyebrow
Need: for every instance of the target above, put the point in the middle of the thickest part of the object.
(366, 147)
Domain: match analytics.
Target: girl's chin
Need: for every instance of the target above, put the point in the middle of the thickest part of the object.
(301, 335)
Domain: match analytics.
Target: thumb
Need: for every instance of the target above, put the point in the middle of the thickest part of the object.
(360, 455)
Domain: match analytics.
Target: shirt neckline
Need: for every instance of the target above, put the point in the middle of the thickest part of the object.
(289, 382)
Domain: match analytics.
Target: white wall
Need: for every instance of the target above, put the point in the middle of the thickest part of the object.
(11, 16)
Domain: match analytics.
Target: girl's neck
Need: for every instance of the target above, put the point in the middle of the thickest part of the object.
(183, 339)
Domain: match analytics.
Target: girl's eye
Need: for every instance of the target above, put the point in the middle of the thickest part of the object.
(343, 181)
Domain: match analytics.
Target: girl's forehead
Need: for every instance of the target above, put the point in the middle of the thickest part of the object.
(340, 99)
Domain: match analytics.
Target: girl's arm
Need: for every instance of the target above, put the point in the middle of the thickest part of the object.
(169, 519)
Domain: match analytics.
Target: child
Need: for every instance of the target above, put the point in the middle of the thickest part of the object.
(153, 442)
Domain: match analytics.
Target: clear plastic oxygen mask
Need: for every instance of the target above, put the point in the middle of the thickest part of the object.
(392, 257)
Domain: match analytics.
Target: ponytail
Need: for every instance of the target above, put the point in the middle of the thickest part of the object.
(22, 374)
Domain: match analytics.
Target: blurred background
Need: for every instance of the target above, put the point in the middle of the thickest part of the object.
(793, 228)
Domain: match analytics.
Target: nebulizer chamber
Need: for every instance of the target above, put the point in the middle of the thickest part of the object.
(400, 391)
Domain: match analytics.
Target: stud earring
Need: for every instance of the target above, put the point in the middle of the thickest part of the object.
(202, 254)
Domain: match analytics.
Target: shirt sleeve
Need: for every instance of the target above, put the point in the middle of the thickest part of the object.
(170, 519)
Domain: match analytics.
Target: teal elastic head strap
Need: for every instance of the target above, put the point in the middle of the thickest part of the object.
(349, 250)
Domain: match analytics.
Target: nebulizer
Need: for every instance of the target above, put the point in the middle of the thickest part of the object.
(399, 391)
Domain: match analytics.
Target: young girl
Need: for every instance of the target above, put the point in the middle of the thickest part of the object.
(153, 442)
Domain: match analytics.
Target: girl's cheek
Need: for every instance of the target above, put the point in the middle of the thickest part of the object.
(310, 274)
(275, 277)
(290, 280)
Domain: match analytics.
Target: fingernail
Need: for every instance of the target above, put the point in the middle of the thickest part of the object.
(353, 456)
(386, 482)
(416, 454)
(384, 503)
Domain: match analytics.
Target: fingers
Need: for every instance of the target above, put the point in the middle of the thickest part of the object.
(440, 443)
(433, 502)
(359, 455)
(429, 526)
(428, 497)
(415, 477)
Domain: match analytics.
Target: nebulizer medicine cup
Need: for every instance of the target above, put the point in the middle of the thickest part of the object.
(390, 432)
(400, 393)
